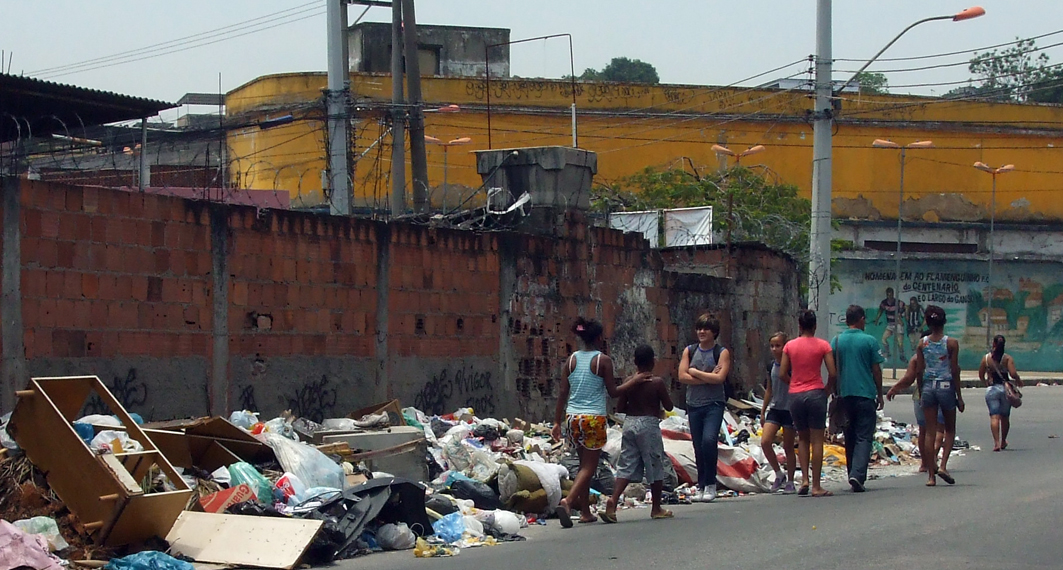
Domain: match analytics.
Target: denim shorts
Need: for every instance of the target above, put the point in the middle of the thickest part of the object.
(920, 417)
(997, 400)
(939, 395)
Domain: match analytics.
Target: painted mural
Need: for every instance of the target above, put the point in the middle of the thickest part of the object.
(1027, 307)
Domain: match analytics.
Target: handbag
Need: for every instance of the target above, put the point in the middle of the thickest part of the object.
(837, 419)
(1013, 394)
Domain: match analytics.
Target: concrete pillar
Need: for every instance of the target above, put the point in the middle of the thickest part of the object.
(13, 367)
(383, 287)
(220, 396)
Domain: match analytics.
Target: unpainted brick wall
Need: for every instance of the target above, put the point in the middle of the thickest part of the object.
(120, 284)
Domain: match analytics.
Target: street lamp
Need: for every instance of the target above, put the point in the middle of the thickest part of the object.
(992, 219)
(823, 116)
(897, 332)
(738, 156)
(446, 146)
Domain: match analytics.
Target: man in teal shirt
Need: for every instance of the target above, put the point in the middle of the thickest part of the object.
(860, 388)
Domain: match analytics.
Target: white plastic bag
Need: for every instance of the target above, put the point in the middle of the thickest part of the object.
(676, 423)
(282, 427)
(473, 527)
(45, 527)
(395, 537)
(482, 465)
(243, 419)
(104, 442)
(502, 521)
(100, 420)
(456, 453)
(311, 466)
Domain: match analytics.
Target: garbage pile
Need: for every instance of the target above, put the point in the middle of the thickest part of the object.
(383, 478)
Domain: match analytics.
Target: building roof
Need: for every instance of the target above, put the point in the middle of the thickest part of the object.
(42, 107)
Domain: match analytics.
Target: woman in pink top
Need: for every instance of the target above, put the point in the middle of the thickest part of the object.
(802, 359)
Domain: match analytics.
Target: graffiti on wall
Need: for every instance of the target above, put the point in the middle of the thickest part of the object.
(448, 390)
(130, 392)
(314, 400)
(1026, 307)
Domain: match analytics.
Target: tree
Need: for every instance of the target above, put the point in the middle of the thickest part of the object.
(761, 210)
(872, 83)
(624, 70)
(1017, 73)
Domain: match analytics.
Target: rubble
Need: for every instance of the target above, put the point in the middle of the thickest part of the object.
(287, 490)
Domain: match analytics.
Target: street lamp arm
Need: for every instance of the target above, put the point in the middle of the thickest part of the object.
(883, 50)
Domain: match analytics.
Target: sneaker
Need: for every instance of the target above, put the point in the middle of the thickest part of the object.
(697, 496)
(856, 485)
(780, 478)
(789, 489)
(708, 496)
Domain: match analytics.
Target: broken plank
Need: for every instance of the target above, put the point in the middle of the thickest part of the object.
(262, 542)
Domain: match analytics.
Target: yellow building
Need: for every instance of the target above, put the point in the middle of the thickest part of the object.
(631, 127)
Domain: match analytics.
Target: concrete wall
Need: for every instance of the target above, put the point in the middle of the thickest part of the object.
(187, 308)
(460, 50)
(632, 127)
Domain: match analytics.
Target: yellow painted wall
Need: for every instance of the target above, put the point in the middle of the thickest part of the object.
(634, 126)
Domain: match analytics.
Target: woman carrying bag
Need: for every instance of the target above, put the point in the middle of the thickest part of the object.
(1000, 395)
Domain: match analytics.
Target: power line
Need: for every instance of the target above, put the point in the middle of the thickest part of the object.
(951, 53)
(188, 42)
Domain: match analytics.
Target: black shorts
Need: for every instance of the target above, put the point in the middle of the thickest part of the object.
(809, 410)
(780, 418)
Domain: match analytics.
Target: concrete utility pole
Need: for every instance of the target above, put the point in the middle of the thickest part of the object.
(144, 180)
(398, 116)
(418, 160)
(337, 97)
(819, 240)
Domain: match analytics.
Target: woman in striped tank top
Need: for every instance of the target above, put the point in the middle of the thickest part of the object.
(581, 412)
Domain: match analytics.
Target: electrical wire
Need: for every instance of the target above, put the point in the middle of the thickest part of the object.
(184, 44)
(951, 53)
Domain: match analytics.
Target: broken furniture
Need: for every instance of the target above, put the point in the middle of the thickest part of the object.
(112, 494)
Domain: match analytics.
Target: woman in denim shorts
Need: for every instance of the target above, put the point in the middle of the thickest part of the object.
(937, 362)
(994, 372)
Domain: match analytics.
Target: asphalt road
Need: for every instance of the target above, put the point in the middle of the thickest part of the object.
(1003, 513)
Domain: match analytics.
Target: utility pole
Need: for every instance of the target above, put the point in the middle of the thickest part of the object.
(398, 116)
(144, 180)
(336, 98)
(823, 114)
(418, 160)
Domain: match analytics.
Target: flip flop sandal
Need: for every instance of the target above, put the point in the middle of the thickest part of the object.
(564, 516)
(607, 518)
(946, 477)
(823, 494)
(802, 492)
(664, 515)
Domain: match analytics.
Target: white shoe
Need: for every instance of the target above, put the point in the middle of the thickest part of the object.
(708, 496)
(697, 496)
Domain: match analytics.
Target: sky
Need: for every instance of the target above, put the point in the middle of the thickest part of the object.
(699, 42)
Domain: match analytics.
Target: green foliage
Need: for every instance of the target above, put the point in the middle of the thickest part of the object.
(761, 210)
(1017, 73)
(873, 83)
(624, 70)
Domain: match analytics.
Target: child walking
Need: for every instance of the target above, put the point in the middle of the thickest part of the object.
(776, 415)
(642, 449)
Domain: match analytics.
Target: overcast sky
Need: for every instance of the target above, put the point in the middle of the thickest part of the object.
(702, 42)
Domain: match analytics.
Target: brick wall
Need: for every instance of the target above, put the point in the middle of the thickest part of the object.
(186, 308)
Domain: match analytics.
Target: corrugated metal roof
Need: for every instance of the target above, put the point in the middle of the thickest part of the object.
(30, 106)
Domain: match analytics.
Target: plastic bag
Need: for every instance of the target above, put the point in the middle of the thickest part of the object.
(5, 440)
(501, 522)
(480, 494)
(245, 473)
(395, 537)
(291, 489)
(282, 427)
(456, 453)
(676, 423)
(45, 527)
(109, 441)
(100, 420)
(243, 419)
(148, 560)
(450, 528)
(311, 466)
(482, 465)
(473, 527)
